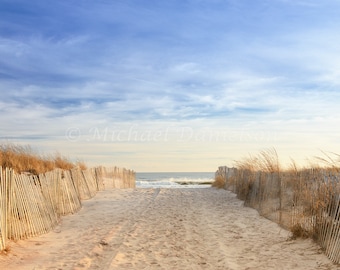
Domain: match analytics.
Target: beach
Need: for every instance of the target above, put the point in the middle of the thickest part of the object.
(159, 228)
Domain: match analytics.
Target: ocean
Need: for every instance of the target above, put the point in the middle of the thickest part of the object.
(174, 179)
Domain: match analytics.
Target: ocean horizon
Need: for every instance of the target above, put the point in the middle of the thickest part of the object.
(174, 179)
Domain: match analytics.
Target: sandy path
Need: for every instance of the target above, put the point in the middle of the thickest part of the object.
(165, 229)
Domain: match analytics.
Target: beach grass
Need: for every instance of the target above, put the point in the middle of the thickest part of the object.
(304, 200)
(219, 182)
(25, 159)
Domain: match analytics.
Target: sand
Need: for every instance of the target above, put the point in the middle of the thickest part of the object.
(165, 229)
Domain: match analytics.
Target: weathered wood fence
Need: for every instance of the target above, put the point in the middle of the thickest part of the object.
(31, 205)
(307, 202)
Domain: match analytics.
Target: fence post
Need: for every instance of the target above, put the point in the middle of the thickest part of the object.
(280, 197)
(3, 209)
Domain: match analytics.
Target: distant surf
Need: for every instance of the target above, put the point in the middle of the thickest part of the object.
(174, 179)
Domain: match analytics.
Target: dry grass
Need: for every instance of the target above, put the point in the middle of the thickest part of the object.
(266, 161)
(330, 160)
(305, 188)
(299, 232)
(24, 159)
(82, 165)
(219, 182)
(304, 200)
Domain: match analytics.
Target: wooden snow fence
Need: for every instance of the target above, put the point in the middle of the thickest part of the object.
(119, 178)
(31, 205)
(306, 202)
(84, 183)
(63, 192)
(5, 187)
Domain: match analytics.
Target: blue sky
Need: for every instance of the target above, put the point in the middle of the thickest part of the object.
(183, 85)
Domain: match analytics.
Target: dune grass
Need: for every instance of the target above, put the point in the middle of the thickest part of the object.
(267, 161)
(25, 159)
(304, 200)
(219, 182)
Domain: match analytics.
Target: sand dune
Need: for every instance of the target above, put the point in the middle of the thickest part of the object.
(165, 229)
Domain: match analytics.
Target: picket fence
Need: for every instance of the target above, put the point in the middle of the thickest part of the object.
(307, 202)
(32, 205)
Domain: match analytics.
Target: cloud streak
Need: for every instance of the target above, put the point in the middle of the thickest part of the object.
(247, 74)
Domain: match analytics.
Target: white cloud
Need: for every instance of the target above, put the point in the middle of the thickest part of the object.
(188, 68)
(230, 79)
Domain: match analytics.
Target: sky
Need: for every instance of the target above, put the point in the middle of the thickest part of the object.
(175, 85)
